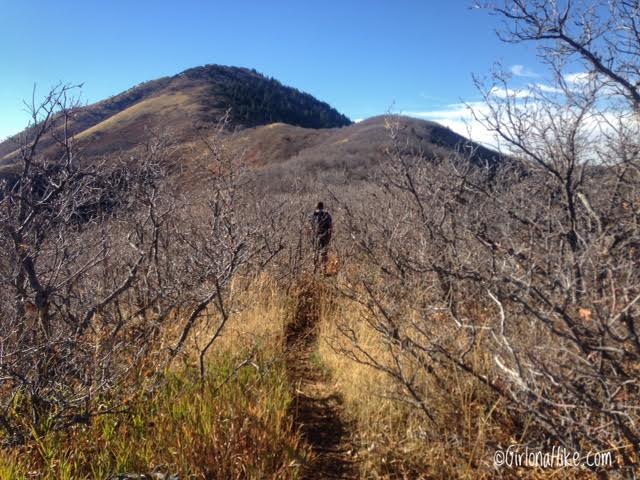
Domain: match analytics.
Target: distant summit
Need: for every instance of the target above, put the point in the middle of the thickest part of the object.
(189, 104)
(254, 99)
(280, 131)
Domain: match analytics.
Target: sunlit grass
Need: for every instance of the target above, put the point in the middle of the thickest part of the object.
(221, 429)
(235, 424)
(395, 439)
(153, 105)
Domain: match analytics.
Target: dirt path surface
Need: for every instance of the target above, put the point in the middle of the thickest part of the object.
(317, 407)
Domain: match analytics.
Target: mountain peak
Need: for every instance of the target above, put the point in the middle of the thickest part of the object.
(190, 103)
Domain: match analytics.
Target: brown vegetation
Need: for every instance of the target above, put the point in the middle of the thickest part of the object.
(154, 320)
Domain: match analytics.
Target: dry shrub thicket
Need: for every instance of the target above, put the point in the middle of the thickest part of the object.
(477, 305)
(233, 423)
(105, 271)
(502, 301)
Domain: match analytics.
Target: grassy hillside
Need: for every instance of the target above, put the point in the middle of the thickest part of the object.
(187, 105)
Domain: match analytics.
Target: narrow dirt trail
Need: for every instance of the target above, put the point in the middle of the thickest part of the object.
(317, 408)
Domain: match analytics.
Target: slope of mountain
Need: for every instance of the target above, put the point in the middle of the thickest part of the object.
(362, 143)
(278, 130)
(342, 155)
(188, 104)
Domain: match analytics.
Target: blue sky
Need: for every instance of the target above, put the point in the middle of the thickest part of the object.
(364, 57)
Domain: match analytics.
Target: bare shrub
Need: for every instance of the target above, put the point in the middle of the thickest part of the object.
(105, 270)
(532, 262)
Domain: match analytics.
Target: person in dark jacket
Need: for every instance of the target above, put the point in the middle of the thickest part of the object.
(322, 226)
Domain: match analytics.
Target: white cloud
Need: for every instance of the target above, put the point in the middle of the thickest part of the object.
(578, 78)
(584, 81)
(509, 92)
(595, 128)
(547, 88)
(459, 118)
(522, 71)
(525, 92)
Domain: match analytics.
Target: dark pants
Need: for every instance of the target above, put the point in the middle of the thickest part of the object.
(321, 247)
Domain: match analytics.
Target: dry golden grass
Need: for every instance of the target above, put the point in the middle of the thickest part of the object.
(234, 425)
(261, 317)
(157, 105)
(395, 440)
(238, 423)
(236, 429)
(386, 429)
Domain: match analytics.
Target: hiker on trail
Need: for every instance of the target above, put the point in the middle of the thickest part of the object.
(322, 226)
